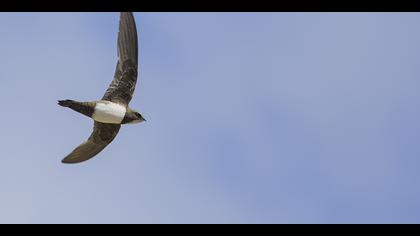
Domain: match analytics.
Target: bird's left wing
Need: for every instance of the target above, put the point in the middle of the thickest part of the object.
(102, 135)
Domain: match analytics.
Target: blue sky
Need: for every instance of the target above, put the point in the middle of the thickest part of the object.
(251, 118)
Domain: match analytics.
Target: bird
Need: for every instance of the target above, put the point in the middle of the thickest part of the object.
(113, 109)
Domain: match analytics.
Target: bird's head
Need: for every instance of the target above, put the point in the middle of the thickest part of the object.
(139, 117)
(133, 117)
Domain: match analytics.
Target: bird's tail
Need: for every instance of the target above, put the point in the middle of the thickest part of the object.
(86, 108)
(66, 103)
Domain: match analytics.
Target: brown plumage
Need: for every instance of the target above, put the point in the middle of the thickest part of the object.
(122, 87)
(102, 135)
(120, 91)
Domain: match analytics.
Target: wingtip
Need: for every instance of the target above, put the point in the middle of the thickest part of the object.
(65, 161)
(71, 161)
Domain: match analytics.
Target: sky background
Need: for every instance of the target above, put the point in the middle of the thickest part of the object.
(251, 118)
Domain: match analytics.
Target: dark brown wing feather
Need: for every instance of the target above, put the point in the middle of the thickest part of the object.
(122, 87)
(102, 135)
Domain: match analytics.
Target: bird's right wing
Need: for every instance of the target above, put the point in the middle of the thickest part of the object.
(122, 86)
(102, 135)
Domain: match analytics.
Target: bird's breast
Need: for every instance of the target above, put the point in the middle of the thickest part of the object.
(109, 112)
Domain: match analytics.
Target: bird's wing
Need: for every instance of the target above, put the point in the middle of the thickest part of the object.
(102, 135)
(122, 87)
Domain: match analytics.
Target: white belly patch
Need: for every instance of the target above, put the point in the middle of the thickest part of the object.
(109, 112)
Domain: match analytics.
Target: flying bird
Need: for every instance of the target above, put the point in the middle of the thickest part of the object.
(112, 110)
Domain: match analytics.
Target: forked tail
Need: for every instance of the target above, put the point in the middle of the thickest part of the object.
(86, 108)
(66, 103)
